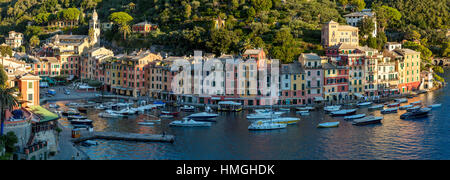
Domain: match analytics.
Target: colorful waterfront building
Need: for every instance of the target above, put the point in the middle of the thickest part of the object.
(292, 90)
(125, 73)
(409, 70)
(335, 83)
(372, 57)
(47, 66)
(312, 65)
(355, 63)
(387, 76)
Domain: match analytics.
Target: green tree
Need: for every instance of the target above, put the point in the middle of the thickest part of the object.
(283, 46)
(357, 4)
(5, 51)
(366, 26)
(122, 19)
(344, 3)
(386, 16)
(34, 41)
(262, 5)
(412, 35)
(372, 42)
(8, 101)
(9, 140)
(221, 41)
(3, 76)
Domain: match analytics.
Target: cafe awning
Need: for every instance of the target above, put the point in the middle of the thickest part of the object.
(318, 98)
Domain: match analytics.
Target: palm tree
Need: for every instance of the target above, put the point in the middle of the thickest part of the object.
(125, 29)
(8, 101)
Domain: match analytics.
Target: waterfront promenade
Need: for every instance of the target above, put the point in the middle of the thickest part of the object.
(66, 149)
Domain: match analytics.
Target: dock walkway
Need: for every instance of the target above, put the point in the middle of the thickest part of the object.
(125, 137)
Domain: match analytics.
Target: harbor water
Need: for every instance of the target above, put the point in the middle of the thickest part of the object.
(229, 138)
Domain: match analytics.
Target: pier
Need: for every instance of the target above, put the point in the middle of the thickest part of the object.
(125, 137)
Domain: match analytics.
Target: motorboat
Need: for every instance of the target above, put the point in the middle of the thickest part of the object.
(307, 108)
(264, 125)
(303, 113)
(364, 104)
(263, 111)
(169, 113)
(53, 106)
(262, 116)
(72, 104)
(283, 120)
(402, 100)
(343, 112)
(374, 107)
(146, 123)
(70, 111)
(186, 122)
(356, 116)
(405, 107)
(328, 124)
(332, 108)
(416, 103)
(100, 107)
(166, 116)
(435, 106)
(81, 121)
(88, 143)
(187, 108)
(110, 115)
(285, 109)
(389, 110)
(127, 111)
(202, 116)
(415, 108)
(393, 105)
(367, 120)
(82, 109)
(422, 112)
(76, 117)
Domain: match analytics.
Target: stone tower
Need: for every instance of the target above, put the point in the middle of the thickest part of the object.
(94, 24)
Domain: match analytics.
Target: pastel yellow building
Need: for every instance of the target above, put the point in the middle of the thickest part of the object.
(333, 33)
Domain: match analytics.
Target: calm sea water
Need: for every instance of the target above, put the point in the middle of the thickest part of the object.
(229, 138)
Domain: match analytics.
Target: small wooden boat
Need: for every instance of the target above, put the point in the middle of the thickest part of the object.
(356, 116)
(402, 100)
(435, 106)
(81, 121)
(76, 117)
(374, 107)
(367, 120)
(146, 123)
(364, 104)
(343, 112)
(303, 113)
(416, 103)
(328, 124)
(393, 105)
(307, 108)
(389, 111)
(405, 107)
(169, 113)
(82, 109)
(332, 108)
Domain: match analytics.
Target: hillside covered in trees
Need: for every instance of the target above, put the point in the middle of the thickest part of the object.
(283, 28)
